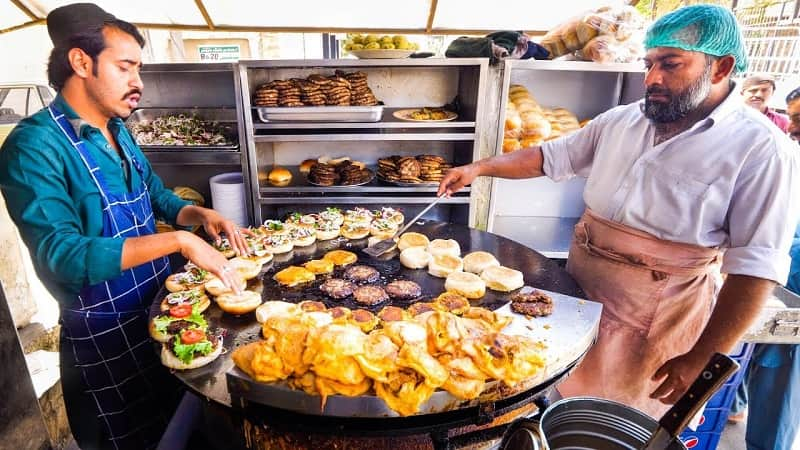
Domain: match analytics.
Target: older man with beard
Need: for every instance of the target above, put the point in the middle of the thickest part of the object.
(678, 183)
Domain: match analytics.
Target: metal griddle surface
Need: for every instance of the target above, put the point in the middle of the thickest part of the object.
(539, 272)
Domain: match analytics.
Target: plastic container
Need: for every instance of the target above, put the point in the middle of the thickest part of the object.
(227, 196)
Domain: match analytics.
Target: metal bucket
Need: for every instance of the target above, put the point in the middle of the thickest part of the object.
(584, 423)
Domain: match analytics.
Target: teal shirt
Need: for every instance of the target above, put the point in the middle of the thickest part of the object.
(57, 207)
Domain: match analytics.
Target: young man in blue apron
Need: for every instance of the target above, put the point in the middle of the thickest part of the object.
(85, 198)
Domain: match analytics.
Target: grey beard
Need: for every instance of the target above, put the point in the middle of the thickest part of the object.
(681, 105)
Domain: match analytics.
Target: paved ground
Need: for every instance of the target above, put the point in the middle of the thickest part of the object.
(732, 437)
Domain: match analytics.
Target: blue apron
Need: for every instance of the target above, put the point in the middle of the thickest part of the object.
(108, 363)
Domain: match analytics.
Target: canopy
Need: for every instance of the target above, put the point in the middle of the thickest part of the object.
(399, 17)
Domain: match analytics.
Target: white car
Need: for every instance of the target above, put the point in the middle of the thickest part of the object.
(20, 100)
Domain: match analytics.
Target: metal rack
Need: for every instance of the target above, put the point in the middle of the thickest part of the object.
(191, 87)
(398, 83)
(546, 220)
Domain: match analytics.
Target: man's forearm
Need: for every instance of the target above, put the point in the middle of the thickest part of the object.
(520, 164)
(738, 305)
(139, 250)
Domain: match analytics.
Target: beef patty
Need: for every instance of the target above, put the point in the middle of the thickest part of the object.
(362, 274)
(370, 295)
(403, 290)
(176, 326)
(337, 287)
(534, 304)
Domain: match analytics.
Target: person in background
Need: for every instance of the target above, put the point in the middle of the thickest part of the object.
(773, 376)
(672, 182)
(756, 91)
(84, 198)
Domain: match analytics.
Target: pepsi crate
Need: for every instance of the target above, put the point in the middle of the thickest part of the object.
(713, 419)
(700, 441)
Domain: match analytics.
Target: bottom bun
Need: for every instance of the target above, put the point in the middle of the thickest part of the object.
(242, 303)
(169, 359)
(502, 279)
(326, 235)
(467, 284)
(415, 258)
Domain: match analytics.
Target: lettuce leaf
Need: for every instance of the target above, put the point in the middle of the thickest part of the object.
(161, 322)
(185, 352)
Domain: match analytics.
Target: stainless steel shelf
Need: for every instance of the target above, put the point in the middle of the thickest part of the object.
(365, 137)
(388, 200)
(194, 157)
(388, 121)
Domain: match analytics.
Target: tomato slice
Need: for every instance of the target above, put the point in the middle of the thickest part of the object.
(181, 310)
(192, 336)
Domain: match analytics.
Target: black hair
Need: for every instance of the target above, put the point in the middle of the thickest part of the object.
(794, 95)
(92, 42)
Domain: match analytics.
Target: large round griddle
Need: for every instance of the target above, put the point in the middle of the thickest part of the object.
(568, 333)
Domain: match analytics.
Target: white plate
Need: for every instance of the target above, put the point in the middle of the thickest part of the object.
(381, 53)
(405, 114)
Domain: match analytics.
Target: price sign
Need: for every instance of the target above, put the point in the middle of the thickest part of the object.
(219, 53)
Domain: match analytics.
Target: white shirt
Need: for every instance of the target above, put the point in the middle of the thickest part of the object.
(731, 181)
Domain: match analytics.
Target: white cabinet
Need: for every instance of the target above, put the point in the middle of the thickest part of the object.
(538, 212)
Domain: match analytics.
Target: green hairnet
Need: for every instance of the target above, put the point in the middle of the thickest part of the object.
(708, 29)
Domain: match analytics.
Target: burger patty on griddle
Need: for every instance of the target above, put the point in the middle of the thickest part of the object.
(370, 295)
(403, 289)
(362, 274)
(337, 288)
(535, 304)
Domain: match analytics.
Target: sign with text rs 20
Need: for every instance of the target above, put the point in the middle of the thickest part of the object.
(219, 53)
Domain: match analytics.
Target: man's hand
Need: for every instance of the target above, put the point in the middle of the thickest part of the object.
(456, 178)
(678, 374)
(215, 224)
(208, 258)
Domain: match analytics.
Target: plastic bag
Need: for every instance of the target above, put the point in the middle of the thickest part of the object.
(612, 34)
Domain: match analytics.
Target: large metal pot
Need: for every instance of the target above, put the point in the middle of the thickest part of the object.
(589, 423)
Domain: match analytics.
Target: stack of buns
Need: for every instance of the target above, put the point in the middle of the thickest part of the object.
(527, 124)
(604, 35)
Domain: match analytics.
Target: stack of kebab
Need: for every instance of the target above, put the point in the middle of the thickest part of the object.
(409, 169)
(344, 173)
(361, 94)
(341, 89)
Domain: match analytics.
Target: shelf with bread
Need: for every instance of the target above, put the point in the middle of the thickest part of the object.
(287, 180)
(541, 101)
(287, 122)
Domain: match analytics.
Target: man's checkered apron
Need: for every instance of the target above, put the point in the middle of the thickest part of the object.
(108, 362)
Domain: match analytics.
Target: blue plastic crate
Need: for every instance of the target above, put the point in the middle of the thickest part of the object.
(713, 420)
(724, 397)
(700, 441)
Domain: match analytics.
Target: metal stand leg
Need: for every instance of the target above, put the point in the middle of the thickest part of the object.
(183, 422)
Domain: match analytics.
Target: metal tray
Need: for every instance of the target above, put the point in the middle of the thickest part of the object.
(778, 321)
(321, 114)
(226, 116)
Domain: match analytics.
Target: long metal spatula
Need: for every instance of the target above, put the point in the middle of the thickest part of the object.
(386, 245)
(714, 375)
